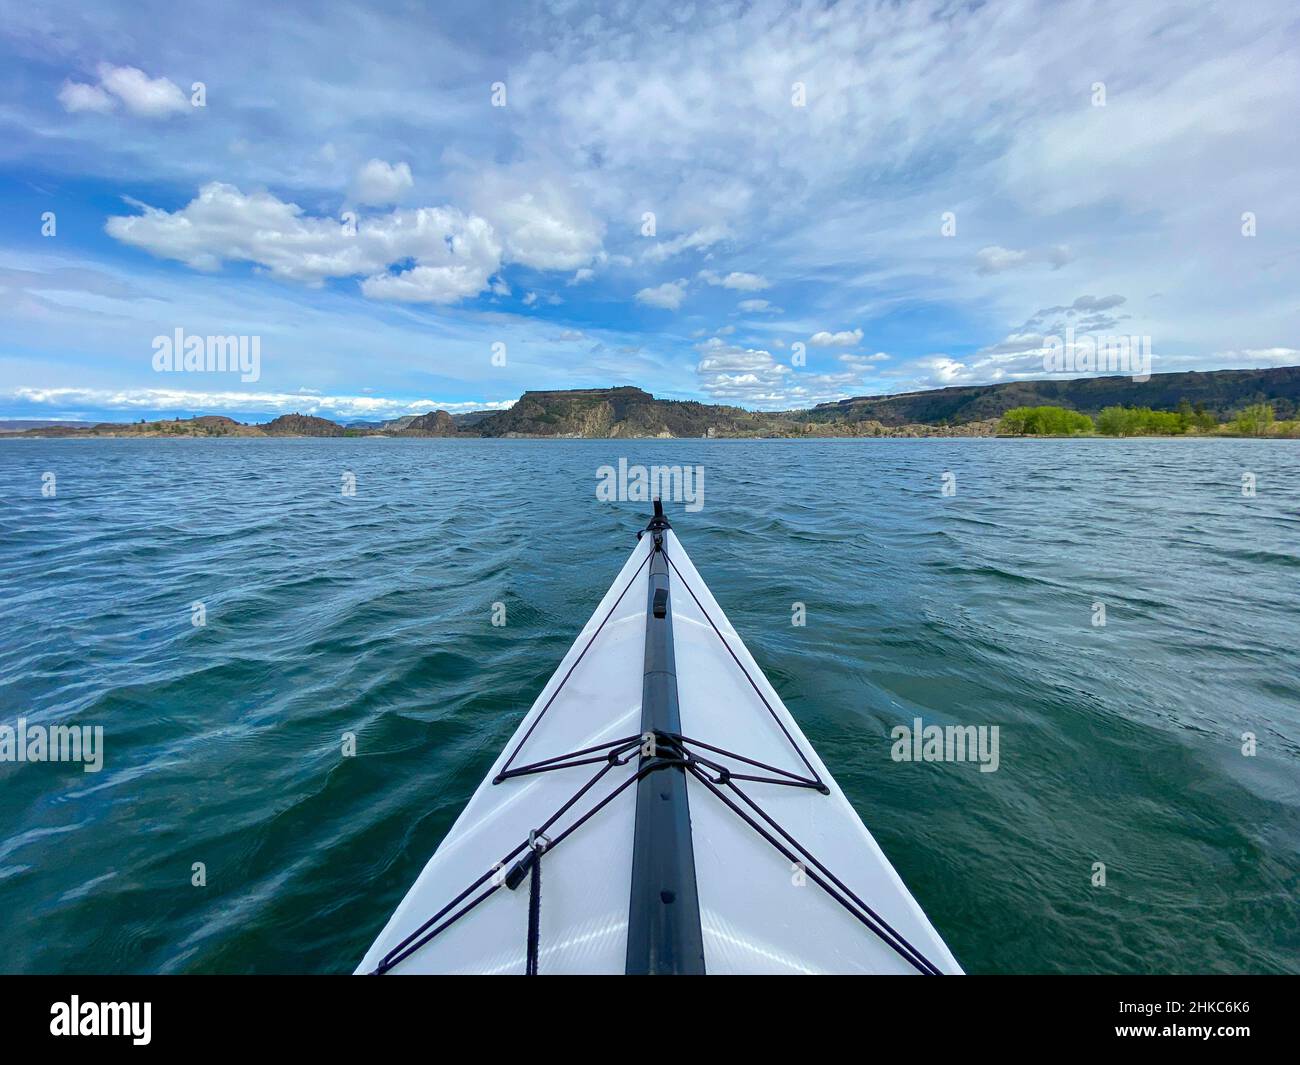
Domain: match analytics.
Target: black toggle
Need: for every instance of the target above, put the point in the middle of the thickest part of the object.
(520, 870)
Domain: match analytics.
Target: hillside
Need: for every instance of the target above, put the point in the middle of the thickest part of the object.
(435, 423)
(1222, 392)
(623, 412)
(301, 425)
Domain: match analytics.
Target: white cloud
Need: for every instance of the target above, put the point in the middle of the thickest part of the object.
(757, 306)
(941, 371)
(539, 235)
(669, 295)
(1059, 255)
(542, 223)
(455, 255)
(749, 375)
(738, 280)
(702, 238)
(75, 97)
(1262, 357)
(582, 276)
(995, 259)
(428, 284)
(1096, 303)
(845, 339)
(143, 95)
(755, 377)
(863, 362)
(379, 183)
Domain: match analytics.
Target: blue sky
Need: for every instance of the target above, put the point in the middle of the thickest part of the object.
(1095, 163)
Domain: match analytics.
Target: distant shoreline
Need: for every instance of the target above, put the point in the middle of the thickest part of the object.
(1221, 403)
(808, 437)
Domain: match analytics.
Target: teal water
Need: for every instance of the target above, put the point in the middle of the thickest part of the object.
(372, 614)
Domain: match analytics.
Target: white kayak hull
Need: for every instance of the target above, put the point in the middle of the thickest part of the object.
(838, 907)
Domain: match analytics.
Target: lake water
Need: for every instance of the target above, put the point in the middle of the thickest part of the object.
(325, 614)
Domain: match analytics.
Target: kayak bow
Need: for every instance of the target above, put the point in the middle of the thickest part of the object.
(683, 822)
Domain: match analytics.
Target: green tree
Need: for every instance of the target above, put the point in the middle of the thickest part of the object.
(1116, 421)
(1014, 421)
(1140, 421)
(1203, 419)
(1044, 421)
(1255, 420)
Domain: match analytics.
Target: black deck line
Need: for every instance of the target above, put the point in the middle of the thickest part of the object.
(663, 935)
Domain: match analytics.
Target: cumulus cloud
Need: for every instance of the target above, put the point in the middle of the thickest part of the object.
(539, 235)
(746, 374)
(863, 362)
(142, 95)
(428, 284)
(669, 295)
(845, 339)
(438, 254)
(756, 378)
(1059, 255)
(995, 259)
(542, 223)
(74, 96)
(758, 307)
(533, 299)
(738, 280)
(379, 183)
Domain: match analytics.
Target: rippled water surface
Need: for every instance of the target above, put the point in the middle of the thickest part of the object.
(371, 614)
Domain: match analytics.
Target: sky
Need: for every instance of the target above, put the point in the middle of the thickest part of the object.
(408, 207)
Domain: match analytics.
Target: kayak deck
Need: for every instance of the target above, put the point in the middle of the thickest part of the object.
(787, 878)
